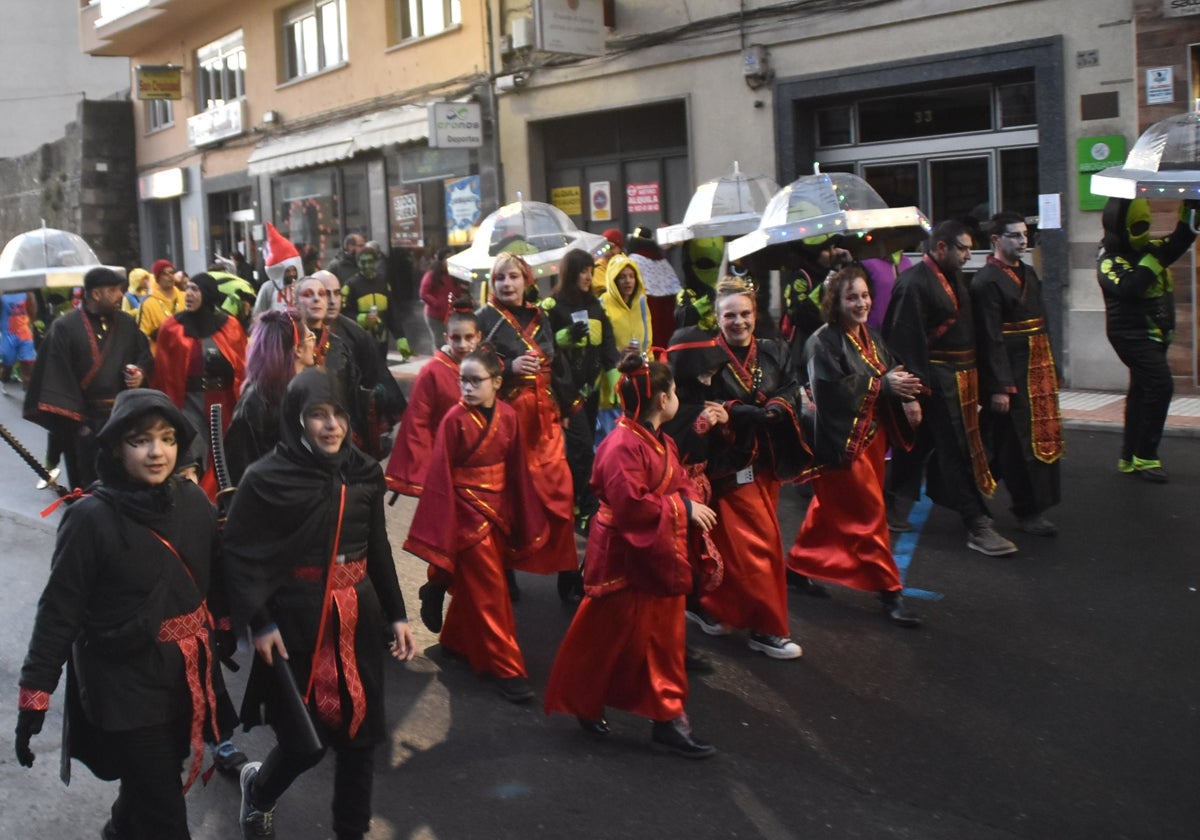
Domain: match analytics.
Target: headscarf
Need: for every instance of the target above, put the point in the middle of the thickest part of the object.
(208, 318)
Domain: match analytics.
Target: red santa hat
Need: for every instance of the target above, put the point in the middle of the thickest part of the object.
(280, 255)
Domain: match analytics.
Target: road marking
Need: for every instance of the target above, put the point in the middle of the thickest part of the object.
(906, 546)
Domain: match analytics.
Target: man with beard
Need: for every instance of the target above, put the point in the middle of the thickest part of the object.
(89, 355)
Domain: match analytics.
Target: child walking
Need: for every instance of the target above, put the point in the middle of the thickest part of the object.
(625, 647)
(479, 512)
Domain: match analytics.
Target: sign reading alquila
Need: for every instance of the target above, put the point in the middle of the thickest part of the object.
(455, 125)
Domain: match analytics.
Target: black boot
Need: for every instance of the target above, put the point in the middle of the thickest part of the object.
(431, 596)
(897, 611)
(805, 584)
(676, 736)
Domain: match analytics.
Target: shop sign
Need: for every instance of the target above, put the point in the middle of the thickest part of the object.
(642, 198)
(1179, 8)
(601, 201)
(1093, 154)
(463, 199)
(1160, 85)
(573, 27)
(216, 124)
(405, 206)
(455, 125)
(167, 183)
(568, 200)
(158, 82)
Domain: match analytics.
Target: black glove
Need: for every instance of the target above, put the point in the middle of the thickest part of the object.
(29, 723)
(579, 331)
(742, 413)
(776, 415)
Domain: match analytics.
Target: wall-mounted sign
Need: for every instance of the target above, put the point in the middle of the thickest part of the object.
(1093, 154)
(567, 199)
(455, 125)
(574, 27)
(404, 205)
(158, 82)
(642, 198)
(601, 201)
(1179, 8)
(462, 209)
(166, 183)
(1160, 85)
(216, 124)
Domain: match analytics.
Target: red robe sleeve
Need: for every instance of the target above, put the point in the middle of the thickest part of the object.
(434, 393)
(438, 527)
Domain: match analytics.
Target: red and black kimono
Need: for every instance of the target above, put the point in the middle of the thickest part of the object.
(201, 362)
(1015, 359)
(79, 371)
(478, 513)
(625, 646)
(434, 393)
(930, 328)
(844, 538)
(514, 333)
(761, 446)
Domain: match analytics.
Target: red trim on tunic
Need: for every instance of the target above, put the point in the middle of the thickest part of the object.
(941, 329)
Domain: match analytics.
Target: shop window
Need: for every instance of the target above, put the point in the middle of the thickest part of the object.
(1018, 105)
(160, 113)
(314, 37)
(220, 72)
(1019, 180)
(419, 18)
(834, 126)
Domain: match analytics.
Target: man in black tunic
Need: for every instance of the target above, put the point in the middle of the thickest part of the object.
(929, 326)
(81, 366)
(1020, 421)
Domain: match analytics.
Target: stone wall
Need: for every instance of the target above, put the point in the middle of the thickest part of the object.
(85, 182)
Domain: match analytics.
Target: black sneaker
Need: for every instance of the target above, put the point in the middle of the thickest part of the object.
(256, 823)
(776, 647)
(897, 611)
(805, 584)
(431, 597)
(705, 621)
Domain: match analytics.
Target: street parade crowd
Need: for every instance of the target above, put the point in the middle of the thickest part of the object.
(231, 451)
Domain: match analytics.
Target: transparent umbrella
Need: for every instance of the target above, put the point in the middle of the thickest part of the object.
(1164, 162)
(825, 204)
(540, 233)
(46, 258)
(727, 206)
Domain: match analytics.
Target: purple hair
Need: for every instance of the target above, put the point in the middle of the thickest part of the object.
(270, 358)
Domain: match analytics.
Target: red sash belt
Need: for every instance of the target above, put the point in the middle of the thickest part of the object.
(325, 662)
(190, 632)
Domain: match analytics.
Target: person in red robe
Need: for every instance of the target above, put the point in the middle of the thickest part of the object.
(200, 361)
(434, 393)
(523, 340)
(625, 646)
(479, 513)
(760, 447)
(864, 401)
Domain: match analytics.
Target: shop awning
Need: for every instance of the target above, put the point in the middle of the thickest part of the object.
(339, 141)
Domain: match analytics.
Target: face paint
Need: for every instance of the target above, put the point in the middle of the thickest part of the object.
(1137, 223)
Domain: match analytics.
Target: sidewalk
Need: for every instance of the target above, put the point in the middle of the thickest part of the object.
(1099, 410)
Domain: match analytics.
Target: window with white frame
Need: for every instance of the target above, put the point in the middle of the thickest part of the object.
(160, 113)
(314, 37)
(418, 18)
(220, 72)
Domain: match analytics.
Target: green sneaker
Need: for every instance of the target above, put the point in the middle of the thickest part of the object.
(1125, 466)
(1149, 470)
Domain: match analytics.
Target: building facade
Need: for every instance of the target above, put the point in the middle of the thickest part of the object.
(311, 115)
(961, 107)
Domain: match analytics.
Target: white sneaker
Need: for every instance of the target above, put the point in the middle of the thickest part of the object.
(776, 647)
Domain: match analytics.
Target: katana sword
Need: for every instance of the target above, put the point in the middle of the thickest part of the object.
(34, 463)
(220, 466)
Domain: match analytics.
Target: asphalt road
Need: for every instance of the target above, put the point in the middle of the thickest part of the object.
(1049, 695)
